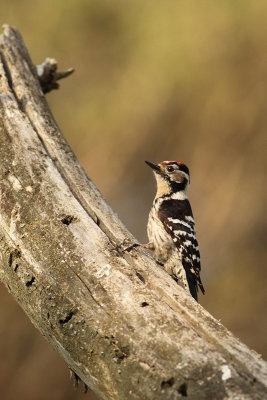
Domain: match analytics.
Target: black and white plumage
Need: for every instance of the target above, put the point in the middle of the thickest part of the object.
(171, 226)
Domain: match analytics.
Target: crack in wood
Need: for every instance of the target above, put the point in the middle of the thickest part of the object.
(87, 287)
(139, 276)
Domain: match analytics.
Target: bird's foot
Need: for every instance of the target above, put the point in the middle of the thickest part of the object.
(148, 246)
(132, 246)
(125, 246)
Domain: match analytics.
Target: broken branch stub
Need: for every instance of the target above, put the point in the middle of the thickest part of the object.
(118, 320)
(49, 76)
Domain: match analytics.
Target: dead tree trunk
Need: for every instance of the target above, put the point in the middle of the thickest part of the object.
(118, 320)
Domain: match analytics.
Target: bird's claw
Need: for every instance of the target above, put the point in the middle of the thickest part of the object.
(129, 248)
(120, 248)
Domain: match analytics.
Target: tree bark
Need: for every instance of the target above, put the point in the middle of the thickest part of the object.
(118, 320)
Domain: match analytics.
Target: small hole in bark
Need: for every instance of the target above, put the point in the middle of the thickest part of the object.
(14, 254)
(67, 319)
(144, 304)
(167, 384)
(183, 389)
(30, 282)
(67, 220)
(16, 267)
(139, 276)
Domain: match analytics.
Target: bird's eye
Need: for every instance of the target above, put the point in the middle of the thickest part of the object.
(170, 169)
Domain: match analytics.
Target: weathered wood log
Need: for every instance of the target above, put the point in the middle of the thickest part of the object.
(119, 321)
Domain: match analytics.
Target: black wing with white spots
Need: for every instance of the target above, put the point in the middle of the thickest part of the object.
(178, 221)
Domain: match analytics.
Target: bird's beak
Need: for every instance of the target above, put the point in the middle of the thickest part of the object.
(155, 167)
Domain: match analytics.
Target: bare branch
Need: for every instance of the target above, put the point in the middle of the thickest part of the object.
(49, 76)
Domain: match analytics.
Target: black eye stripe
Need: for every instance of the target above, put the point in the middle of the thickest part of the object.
(184, 169)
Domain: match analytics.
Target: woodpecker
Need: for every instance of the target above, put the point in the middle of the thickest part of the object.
(171, 226)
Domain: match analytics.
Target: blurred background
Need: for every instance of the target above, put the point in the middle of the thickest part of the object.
(180, 80)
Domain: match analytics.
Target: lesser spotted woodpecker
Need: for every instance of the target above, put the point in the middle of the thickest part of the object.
(171, 226)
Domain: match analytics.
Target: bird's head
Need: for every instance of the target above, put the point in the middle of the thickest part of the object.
(171, 177)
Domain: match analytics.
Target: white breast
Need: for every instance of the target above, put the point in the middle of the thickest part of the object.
(165, 250)
(157, 235)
